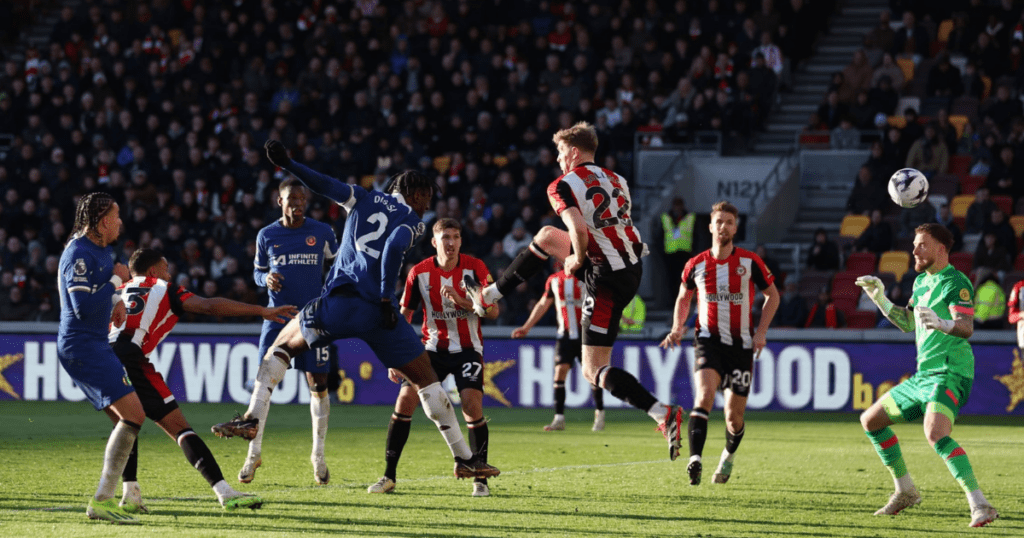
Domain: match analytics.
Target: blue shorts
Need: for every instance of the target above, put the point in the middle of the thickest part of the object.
(96, 370)
(335, 317)
(317, 360)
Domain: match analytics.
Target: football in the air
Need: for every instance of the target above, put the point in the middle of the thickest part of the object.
(908, 187)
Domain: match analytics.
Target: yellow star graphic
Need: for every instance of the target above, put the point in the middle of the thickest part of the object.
(1014, 381)
(5, 362)
(492, 369)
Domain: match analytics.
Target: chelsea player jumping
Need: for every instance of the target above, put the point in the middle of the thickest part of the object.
(291, 254)
(358, 301)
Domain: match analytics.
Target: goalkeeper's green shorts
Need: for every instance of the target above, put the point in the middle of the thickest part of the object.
(942, 392)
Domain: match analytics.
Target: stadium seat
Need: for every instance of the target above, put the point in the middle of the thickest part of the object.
(970, 184)
(958, 206)
(861, 319)
(945, 28)
(959, 164)
(847, 306)
(898, 122)
(1004, 202)
(986, 82)
(861, 263)
(1017, 223)
(854, 225)
(947, 185)
(812, 282)
(958, 121)
(844, 287)
(1018, 264)
(907, 65)
(815, 140)
(962, 261)
(895, 261)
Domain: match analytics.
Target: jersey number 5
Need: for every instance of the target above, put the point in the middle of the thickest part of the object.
(136, 299)
(602, 217)
(381, 220)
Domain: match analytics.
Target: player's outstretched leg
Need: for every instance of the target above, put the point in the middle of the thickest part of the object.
(548, 242)
(103, 505)
(398, 435)
(598, 393)
(697, 432)
(982, 512)
(319, 410)
(732, 443)
(625, 387)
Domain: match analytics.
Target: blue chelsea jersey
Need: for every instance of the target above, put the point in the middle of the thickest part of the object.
(299, 255)
(83, 281)
(373, 217)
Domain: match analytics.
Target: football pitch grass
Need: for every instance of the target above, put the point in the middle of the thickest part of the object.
(796, 474)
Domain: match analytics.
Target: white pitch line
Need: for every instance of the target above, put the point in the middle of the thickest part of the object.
(535, 470)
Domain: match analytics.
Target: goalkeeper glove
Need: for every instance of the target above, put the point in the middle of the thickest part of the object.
(931, 320)
(875, 291)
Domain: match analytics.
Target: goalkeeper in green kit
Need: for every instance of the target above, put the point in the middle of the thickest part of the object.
(941, 310)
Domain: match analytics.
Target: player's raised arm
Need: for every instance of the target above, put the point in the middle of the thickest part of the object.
(219, 306)
(342, 193)
(902, 318)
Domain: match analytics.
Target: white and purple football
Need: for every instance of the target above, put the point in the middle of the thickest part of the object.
(908, 187)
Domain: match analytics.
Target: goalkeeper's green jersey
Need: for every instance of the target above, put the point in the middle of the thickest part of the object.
(947, 292)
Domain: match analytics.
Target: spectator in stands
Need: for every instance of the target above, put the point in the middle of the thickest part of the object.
(913, 130)
(845, 135)
(868, 194)
(945, 218)
(1015, 305)
(911, 40)
(1005, 237)
(824, 253)
(890, 69)
(979, 213)
(884, 96)
(913, 217)
(792, 310)
(929, 153)
(944, 79)
(856, 77)
(674, 236)
(989, 301)
(824, 313)
(772, 54)
(990, 59)
(862, 112)
(877, 237)
(1002, 108)
(1006, 176)
(946, 130)
(882, 35)
(517, 239)
(832, 110)
(990, 254)
(971, 81)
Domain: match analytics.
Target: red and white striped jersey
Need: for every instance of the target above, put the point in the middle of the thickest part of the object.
(153, 308)
(725, 290)
(568, 293)
(602, 196)
(446, 327)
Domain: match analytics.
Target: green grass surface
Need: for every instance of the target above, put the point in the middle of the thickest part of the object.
(796, 475)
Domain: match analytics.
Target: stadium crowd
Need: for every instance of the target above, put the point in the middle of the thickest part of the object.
(934, 89)
(165, 104)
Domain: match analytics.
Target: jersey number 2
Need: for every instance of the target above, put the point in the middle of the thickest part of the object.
(599, 197)
(381, 220)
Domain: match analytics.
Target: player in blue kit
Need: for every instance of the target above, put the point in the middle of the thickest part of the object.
(87, 280)
(290, 257)
(358, 301)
